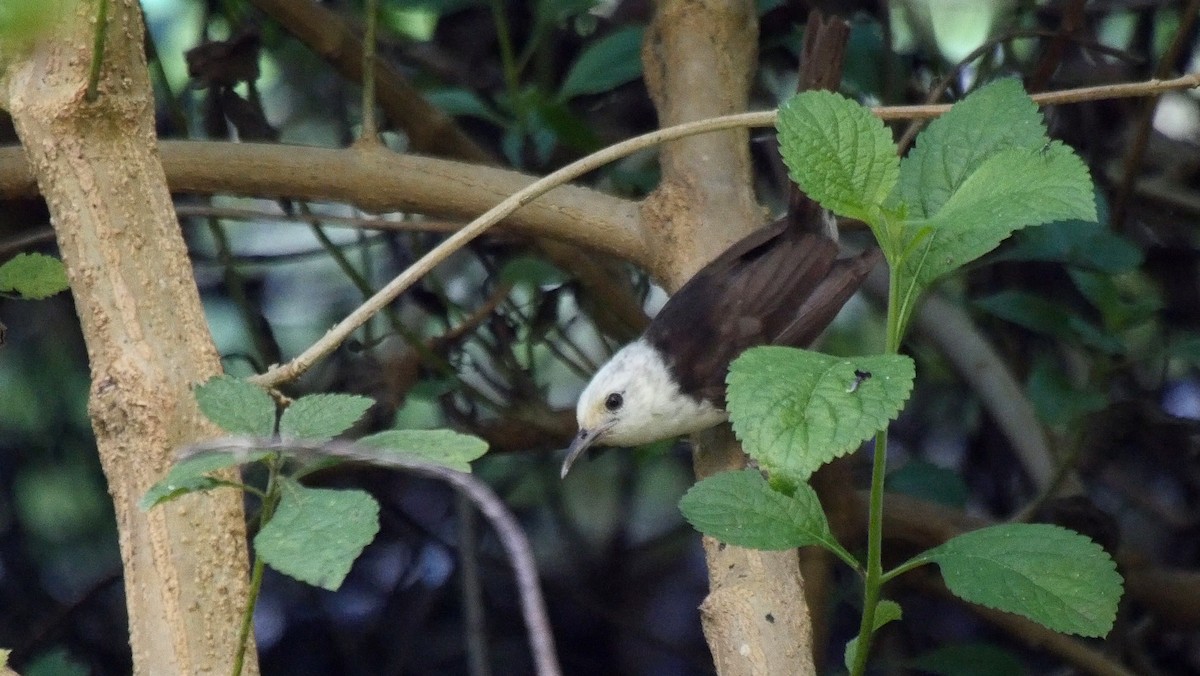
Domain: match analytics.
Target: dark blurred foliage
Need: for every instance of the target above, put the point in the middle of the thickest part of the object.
(1099, 323)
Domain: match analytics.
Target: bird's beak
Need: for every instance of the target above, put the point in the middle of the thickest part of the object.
(582, 441)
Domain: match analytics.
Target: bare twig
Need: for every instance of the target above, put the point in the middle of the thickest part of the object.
(370, 130)
(512, 538)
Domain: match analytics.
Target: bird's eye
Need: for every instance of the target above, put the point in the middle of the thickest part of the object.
(614, 401)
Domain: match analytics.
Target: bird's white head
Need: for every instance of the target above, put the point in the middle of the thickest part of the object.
(634, 400)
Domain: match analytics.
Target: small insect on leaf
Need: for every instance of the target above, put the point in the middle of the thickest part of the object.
(860, 377)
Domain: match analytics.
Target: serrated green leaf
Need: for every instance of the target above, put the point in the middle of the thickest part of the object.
(192, 475)
(444, 447)
(237, 407)
(1012, 189)
(886, 611)
(795, 410)
(741, 509)
(605, 64)
(1053, 576)
(971, 659)
(316, 533)
(838, 153)
(321, 417)
(33, 276)
(994, 117)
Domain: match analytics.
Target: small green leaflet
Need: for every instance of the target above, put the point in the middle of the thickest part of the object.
(237, 407)
(838, 153)
(795, 410)
(885, 611)
(1051, 575)
(321, 417)
(741, 509)
(193, 475)
(316, 533)
(444, 447)
(33, 276)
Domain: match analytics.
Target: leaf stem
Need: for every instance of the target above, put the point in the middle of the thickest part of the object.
(873, 584)
(911, 564)
(93, 85)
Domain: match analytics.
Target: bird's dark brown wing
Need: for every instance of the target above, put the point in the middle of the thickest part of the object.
(778, 285)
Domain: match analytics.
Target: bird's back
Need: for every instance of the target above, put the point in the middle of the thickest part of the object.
(781, 284)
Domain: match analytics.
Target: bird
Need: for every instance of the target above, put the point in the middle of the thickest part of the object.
(780, 285)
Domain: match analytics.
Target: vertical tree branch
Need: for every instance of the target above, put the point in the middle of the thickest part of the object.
(699, 61)
(147, 341)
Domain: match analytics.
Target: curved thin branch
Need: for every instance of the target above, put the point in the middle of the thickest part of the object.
(515, 542)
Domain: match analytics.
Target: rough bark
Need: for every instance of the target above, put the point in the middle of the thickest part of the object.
(699, 59)
(97, 165)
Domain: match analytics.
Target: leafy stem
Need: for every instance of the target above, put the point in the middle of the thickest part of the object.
(897, 314)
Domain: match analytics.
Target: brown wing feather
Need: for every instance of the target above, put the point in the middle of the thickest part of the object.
(778, 285)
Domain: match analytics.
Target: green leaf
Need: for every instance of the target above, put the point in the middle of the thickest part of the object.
(321, 417)
(57, 662)
(193, 475)
(531, 271)
(971, 659)
(444, 447)
(795, 410)
(1053, 576)
(33, 276)
(741, 509)
(605, 64)
(237, 407)
(1012, 189)
(462, 102)
(927, 481)
(1084, 244)
(316, 533)
(838, 153)
(1041, 314)
(994, 117)
(885, 611)
(1058, 401)
(1124, 301)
